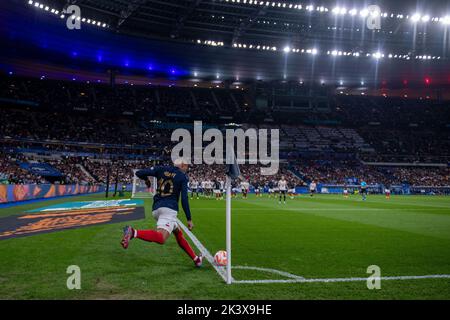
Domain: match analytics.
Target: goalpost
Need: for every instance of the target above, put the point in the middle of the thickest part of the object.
(140, 189)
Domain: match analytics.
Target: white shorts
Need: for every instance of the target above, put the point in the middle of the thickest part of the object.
(216, 191)
(166, 219)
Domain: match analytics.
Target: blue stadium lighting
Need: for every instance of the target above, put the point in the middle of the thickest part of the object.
(10, 73)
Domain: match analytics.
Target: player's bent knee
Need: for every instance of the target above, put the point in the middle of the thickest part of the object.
(165, 235)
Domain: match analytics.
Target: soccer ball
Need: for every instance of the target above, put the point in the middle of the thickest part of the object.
(221, 258)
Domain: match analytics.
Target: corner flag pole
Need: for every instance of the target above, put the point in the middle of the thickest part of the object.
(233, 172)
(228, 228)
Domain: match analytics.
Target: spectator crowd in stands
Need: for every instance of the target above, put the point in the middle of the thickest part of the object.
(65, 121)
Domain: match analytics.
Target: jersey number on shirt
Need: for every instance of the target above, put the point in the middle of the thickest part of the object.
(165, 187)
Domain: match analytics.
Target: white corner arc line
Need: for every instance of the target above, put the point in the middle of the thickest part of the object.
(275, 271)
(220, 270)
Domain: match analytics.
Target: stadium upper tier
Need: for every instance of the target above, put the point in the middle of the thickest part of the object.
(90, 119)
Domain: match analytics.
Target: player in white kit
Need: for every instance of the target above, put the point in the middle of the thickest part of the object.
(244, 188)
(193, 185)
(282, 187)
(312, 188)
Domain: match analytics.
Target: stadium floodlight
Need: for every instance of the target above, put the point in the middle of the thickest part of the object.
(415, 17)
(353, 12)
(343, 11)
(364, 13)
(30, 2)
(314, 51)
(375, 13)
(377, 55)
(425, 18)
(287, 49)
(336, 10)
(446, 20)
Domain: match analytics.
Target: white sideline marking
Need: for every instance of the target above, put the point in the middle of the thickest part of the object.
(432, 276)
(220, 270)
(292, 277)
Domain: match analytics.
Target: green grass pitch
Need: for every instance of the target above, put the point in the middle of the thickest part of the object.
(326, 236)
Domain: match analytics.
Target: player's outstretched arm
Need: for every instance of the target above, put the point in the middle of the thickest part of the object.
(145, 173)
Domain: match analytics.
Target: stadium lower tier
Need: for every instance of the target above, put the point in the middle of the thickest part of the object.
(21, 169)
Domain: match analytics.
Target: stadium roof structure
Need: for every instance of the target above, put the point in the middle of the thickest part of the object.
(243, 40)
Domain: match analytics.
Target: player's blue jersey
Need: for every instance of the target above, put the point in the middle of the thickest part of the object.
(171, 183)
(363, 185)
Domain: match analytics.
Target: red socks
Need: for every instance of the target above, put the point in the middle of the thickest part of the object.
(184, 244)
(155, 236)
(150, 236)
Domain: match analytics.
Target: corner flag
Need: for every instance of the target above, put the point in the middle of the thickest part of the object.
(233, 170)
